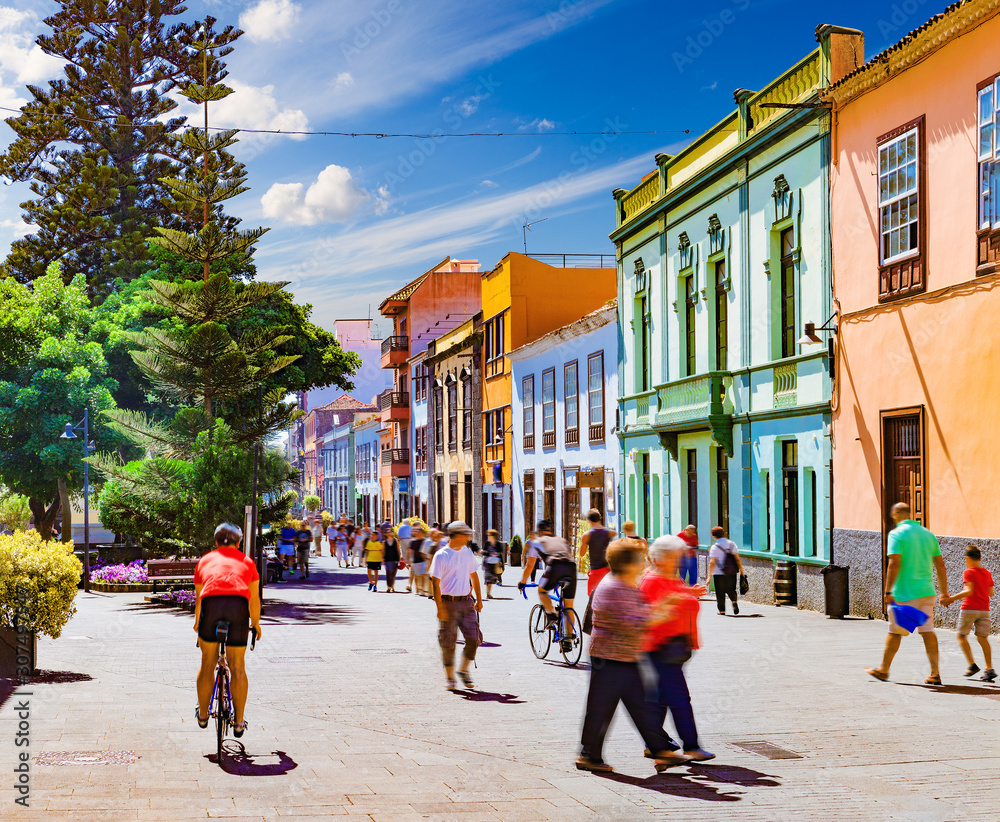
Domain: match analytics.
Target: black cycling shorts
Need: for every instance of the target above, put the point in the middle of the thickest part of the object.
(233, 609)
(556, 572)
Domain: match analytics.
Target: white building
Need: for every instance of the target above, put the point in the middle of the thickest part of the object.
(565, 452)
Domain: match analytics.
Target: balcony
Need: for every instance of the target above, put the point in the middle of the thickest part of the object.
(529, 442)
(635, 410)
(397, 460)
(395, 406)
(548, 439)
(395, 352)
(696, 403)
(641, 197)
(572, 437)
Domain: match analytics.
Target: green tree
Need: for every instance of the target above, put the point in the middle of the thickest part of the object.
(95, 144)
(311, 503)
(49, 371)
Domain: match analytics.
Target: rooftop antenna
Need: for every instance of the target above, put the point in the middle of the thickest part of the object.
(526, 228)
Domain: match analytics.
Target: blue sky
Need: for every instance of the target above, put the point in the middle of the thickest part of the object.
(353, 218)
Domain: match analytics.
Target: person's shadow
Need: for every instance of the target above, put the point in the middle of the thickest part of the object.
(490, 696)
(236, 760)
(697, 782)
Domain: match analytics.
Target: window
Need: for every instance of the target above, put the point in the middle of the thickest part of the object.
(692, 486)
(643, 362)
(528, 411)
(788, 335)
(529, 501)
(790, 497)
(420, 383)
(420, 447)
(901, 155)
(438, 419)
(453, 416)
(690, 303)
(722, 487)
(989, 174)
(467, 411)
(571, 402)
(494, 434)
(595, 396)
(493, 333)
(721, 317)
(549, 408)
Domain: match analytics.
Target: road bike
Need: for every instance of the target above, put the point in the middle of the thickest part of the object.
(221, 704)
(566, 631)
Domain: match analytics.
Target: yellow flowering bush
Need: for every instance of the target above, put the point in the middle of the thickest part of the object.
(38, 582)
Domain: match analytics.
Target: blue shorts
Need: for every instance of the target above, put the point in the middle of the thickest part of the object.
(286, 549)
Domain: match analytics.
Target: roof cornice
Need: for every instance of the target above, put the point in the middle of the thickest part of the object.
(916, 46)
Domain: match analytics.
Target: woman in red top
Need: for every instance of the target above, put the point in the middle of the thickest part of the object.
(227, 586)
(669, 643)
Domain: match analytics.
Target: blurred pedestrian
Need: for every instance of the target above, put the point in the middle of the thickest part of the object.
(303, 545)
(670, 643)
(331, 538)
(594, 545)
(392, 557)
(914, 555)
(418, 562)
(975, 598)
(317, 534)
(724, 569)
(340, 545)
(621, 619)
(361, 534)
(689, 562)
(286, 547)
(454, 576)
(492, 562)
(628, 532)
(374, 551)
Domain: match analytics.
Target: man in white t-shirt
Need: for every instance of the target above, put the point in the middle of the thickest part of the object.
(455, 575)
(724, 567)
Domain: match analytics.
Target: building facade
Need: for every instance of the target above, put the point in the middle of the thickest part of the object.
(454, 444)
(367, 464)
(338, 471)
(564, 451)
(435, 302)
(916, 244)
(523, 298)
(724, 254)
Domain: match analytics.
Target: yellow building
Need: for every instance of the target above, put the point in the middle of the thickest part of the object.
(524, 298)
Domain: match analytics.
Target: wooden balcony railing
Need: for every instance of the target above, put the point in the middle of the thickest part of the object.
(395, 456)
(394, 399)
(572, 436)
(548, 439)
(596, 433)
(395, 344)
(529, 442)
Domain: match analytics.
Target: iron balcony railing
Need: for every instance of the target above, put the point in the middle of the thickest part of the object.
(395, 344)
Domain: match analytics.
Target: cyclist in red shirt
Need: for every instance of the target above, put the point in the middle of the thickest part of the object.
(226, 583)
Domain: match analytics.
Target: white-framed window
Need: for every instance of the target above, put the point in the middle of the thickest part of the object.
(989, 155)
(899, 196)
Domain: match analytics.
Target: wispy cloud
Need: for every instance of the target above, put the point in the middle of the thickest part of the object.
(538, 124)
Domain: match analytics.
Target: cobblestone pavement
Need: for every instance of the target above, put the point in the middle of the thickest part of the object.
(349, 717)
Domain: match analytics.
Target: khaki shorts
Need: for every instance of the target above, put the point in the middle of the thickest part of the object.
(980, 620)
(925, 604)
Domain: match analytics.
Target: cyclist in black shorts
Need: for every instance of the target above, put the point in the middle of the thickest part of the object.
(560, 567)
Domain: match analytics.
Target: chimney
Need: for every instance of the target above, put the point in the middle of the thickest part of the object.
(843, 50)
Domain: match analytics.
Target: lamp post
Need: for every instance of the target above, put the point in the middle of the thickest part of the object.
(88, 446)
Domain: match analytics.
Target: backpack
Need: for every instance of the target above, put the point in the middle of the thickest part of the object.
(729, 564)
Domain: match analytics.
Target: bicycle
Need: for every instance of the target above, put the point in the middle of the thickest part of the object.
(222, 709)
(541, 634)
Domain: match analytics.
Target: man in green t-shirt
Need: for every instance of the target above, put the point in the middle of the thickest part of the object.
(914, 555)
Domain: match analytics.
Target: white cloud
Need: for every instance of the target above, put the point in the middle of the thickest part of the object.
(470, 105)
(334, 197)
(382, 198)
(342, 81)
(488, 184)
(18, 228)
(543, 124)
(21, 61)
(250, 107)
(270, 20)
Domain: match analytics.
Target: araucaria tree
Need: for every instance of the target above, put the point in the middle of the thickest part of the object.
(96, 143)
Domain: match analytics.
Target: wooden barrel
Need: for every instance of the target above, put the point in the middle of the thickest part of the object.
(784, 583)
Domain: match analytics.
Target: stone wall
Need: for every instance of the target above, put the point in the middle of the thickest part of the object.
(862, 552)
(760, 575)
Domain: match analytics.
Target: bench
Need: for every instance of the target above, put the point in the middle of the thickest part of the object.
(173, 570)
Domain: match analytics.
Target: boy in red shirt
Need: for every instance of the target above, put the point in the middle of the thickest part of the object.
(975, 611)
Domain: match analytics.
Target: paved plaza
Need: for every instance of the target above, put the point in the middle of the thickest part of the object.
(349, 717)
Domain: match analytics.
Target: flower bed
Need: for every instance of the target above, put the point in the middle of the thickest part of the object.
(176, 599)
(120, 578)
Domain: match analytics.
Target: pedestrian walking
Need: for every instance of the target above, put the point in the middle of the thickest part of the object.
(339, 544)
(914, 554)
(975, 598)
(621, 618)
(455, 577)
(689, 562)
(628, 532)
(303, 545)
(317, 533)
(669, 644)
(533, 548)
(331, 538)
(374, 552)
(492, 562)
(594, 545)
(392, 557)
(724, 569)
(286, 547)
(418, 562)
(361, 534)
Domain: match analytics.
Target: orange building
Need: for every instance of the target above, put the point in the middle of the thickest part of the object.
(525, 297)
(916, 233)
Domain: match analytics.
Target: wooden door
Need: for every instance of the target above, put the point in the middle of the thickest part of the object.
(903, 467)
(571, 511)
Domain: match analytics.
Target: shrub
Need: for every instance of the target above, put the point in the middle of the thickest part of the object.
(131, 573)
(38, 583)
(311, 502)
(14, 511)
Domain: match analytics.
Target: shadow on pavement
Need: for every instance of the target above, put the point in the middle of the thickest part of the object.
(697, 782)
(310, 613)
(580, 666)
(236, 760)
(489, 696)
(745, 616)
(965, 690)
(40, 677)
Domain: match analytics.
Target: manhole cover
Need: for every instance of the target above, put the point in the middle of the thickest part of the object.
(86, 758)
(768, 750)
(293, 659)
(378, 650)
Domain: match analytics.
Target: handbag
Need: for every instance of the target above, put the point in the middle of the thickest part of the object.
(675, 651)
(744, 585)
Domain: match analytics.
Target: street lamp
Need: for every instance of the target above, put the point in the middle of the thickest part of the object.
(88, 446)
(810, 337)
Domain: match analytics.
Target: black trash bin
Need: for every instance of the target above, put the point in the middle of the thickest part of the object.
(837, 592)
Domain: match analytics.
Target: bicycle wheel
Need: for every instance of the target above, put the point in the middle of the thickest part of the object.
(222, 713)
(571, 644)
(538, 633)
